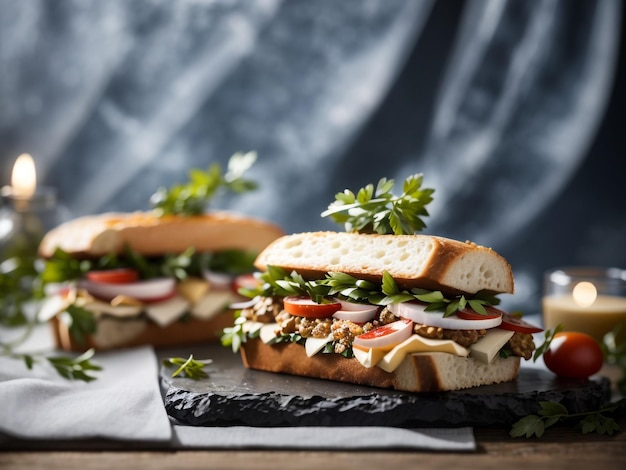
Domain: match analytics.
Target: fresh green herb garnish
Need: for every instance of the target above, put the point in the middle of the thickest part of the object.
(74, 368)
(549, 336)
(190, 367)
(62, 267)
(276, 281)
(615, 354)
(379, 211)
(81, 323)
(193, 197)
(552, 412)
(235, 335)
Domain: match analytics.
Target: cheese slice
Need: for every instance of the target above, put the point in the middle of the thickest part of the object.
(51, 307)
(212, 303)
(193, 289)
(167, 312)
(121, 311)
(268, 331)
(416, 343)
(368, 357)
(315, 345)
(486, 348)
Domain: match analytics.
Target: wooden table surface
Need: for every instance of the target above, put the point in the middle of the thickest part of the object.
(558, 448)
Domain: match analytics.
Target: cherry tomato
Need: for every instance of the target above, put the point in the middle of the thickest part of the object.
(469, 314)
(573, 354)
(513, 323)
(114, 276)
(302, 306)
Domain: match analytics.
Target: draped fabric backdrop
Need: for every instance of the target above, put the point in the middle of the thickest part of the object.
(498, 102)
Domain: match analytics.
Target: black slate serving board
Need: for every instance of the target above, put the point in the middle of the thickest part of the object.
(234, 395)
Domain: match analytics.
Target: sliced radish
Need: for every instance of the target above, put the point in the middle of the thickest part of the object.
(417, 313)
(356, 316)
(244, 304)
(147, 291)
(218, 280)
(386, 336)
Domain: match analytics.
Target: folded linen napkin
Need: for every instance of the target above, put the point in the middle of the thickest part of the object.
(323, 438)
(124, 403)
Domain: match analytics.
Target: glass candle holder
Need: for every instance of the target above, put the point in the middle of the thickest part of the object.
(24, 220)
(590, 300)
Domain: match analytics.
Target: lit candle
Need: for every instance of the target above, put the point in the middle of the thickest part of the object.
(24, 177)
(594, 306)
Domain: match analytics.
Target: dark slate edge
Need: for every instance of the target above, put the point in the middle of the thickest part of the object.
(377, 409)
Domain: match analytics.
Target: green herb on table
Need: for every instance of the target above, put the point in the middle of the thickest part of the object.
(552, 413)
(75, 368)
(377, 210)
(615, 354)
(190, 367)
(193, 197)
(548, 337)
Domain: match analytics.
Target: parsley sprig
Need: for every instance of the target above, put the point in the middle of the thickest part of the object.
(277, 281)
(75, 368)
(193, 197)
(551, 413)
(377, 210)
(190, 367)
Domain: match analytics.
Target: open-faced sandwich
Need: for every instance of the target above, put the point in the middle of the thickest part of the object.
(161, 277)
(379, 305)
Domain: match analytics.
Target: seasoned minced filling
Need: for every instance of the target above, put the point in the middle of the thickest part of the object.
(270, 310)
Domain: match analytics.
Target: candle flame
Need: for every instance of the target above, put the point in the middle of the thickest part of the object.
(24, 176)
(584, 294)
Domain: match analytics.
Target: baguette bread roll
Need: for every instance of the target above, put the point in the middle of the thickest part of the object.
(150, 235)
(424, 261)
(418, 372)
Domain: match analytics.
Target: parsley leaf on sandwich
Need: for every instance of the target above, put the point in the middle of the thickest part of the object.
(193, 197)
(277, 281)
(379, 211)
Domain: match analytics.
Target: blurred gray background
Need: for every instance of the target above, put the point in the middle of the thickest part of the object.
(512, 109)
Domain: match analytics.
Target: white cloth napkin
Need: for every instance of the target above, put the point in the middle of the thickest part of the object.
(124, 403)
(323, 438)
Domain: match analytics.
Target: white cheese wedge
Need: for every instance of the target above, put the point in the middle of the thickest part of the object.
(415, 344)
(51, 307)
(268, 331)
(193, 289)
(486, 348)
(315, 345)
(167, 312)
(368, 357)
(212, 303)
(121, 311)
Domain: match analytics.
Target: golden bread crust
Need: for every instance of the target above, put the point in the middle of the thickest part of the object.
(425, 261)
(144, 232)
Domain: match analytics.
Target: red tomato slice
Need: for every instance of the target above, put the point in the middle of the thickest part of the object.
(469, 314)
(114, 276)
(302, 306)
(513, 323)
(246, 281)
(386, 336)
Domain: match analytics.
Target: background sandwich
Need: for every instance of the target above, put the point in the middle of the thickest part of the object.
(163, 277)
(400, 310)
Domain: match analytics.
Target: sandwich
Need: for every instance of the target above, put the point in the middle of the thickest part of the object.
(162, 277)
(380, 305)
